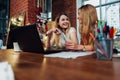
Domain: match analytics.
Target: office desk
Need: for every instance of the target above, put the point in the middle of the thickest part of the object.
(32, 66)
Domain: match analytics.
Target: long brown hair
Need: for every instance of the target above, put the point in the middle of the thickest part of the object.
(89, 17)
(57, 37)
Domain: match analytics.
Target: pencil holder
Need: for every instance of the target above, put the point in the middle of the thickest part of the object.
(104, 49)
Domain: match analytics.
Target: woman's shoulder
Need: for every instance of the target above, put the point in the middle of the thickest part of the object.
(72, 29)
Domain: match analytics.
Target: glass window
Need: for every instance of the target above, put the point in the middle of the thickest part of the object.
(111, 14)
(107, 10)
(4, 13)
(98, 12)
(107, 1)
(93, 2)
(49, 9)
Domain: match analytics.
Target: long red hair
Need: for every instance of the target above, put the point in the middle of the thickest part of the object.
(89, 17)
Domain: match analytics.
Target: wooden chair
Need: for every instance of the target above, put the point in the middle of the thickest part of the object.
(51, 24)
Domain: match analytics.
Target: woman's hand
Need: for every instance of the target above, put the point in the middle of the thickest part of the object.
(71, 46)
(56, 31)
(49, 35)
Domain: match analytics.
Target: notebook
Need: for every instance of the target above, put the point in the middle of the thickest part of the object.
(28, 40)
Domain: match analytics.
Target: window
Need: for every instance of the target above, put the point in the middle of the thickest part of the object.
(4, 15)
(46, 7)
(49, 9)
(108, 10)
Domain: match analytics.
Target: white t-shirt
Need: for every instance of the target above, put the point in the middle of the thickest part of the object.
(63, 37)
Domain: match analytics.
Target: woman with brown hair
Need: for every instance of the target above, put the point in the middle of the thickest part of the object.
(61, 33)
(87, 16)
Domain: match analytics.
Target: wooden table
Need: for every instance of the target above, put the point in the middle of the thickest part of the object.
(32, 66)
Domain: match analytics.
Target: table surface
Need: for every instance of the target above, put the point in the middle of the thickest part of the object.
(33, 66)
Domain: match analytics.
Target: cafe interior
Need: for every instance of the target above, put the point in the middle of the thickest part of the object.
(66, 65)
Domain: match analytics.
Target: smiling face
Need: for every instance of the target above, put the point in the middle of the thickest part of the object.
(64, 21)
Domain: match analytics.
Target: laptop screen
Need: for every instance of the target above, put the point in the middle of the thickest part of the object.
(27, 38)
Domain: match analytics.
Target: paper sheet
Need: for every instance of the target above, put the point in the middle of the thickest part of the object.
(6, 72)
(69, 54)
(116, 55)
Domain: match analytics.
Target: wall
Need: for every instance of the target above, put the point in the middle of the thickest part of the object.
(68, 6)
(27, 6)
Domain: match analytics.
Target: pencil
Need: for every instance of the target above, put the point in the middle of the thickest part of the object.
(97, 43)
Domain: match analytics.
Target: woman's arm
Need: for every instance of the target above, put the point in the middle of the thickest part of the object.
(73, 46)
(51, 37)
(50, 40)
(85, 47)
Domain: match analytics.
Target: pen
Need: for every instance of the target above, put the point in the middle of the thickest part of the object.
(97, 43)
(99, 51)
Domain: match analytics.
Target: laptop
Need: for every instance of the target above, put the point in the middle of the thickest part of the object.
(28, 40)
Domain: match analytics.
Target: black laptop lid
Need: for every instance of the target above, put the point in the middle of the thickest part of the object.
(27, 38)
